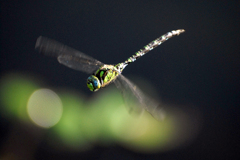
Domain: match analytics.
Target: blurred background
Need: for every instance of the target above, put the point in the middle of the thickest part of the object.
(47, 112)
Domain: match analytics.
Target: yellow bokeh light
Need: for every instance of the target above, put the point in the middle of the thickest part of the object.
(44, 108)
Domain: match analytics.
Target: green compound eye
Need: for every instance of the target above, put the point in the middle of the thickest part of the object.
(93, 83)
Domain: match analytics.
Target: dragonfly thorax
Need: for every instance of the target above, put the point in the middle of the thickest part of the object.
(102, 77)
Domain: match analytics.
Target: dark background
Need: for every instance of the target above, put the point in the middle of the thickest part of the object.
(200, 67)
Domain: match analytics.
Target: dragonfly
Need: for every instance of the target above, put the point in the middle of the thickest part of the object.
(101, 75)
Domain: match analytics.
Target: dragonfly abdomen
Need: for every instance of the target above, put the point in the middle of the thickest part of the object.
(150, 46)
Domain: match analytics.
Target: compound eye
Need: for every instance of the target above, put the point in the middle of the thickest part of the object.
(96, 84)
(93, 83)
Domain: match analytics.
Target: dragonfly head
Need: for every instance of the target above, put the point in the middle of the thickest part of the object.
(93, 83)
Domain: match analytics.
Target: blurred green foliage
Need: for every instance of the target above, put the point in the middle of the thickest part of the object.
(100, 119)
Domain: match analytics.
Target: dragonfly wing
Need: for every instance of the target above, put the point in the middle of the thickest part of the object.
(79, 63)
(66, 55)
(136, 100)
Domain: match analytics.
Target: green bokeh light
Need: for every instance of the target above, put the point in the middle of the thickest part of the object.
(71, 127)
(15, 90)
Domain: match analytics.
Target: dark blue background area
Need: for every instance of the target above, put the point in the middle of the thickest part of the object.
(200, 67)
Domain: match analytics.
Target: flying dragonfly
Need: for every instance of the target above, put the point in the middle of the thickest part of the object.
(104, 74)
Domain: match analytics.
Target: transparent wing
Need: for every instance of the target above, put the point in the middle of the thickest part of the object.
(67, 56)
(136, 100)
